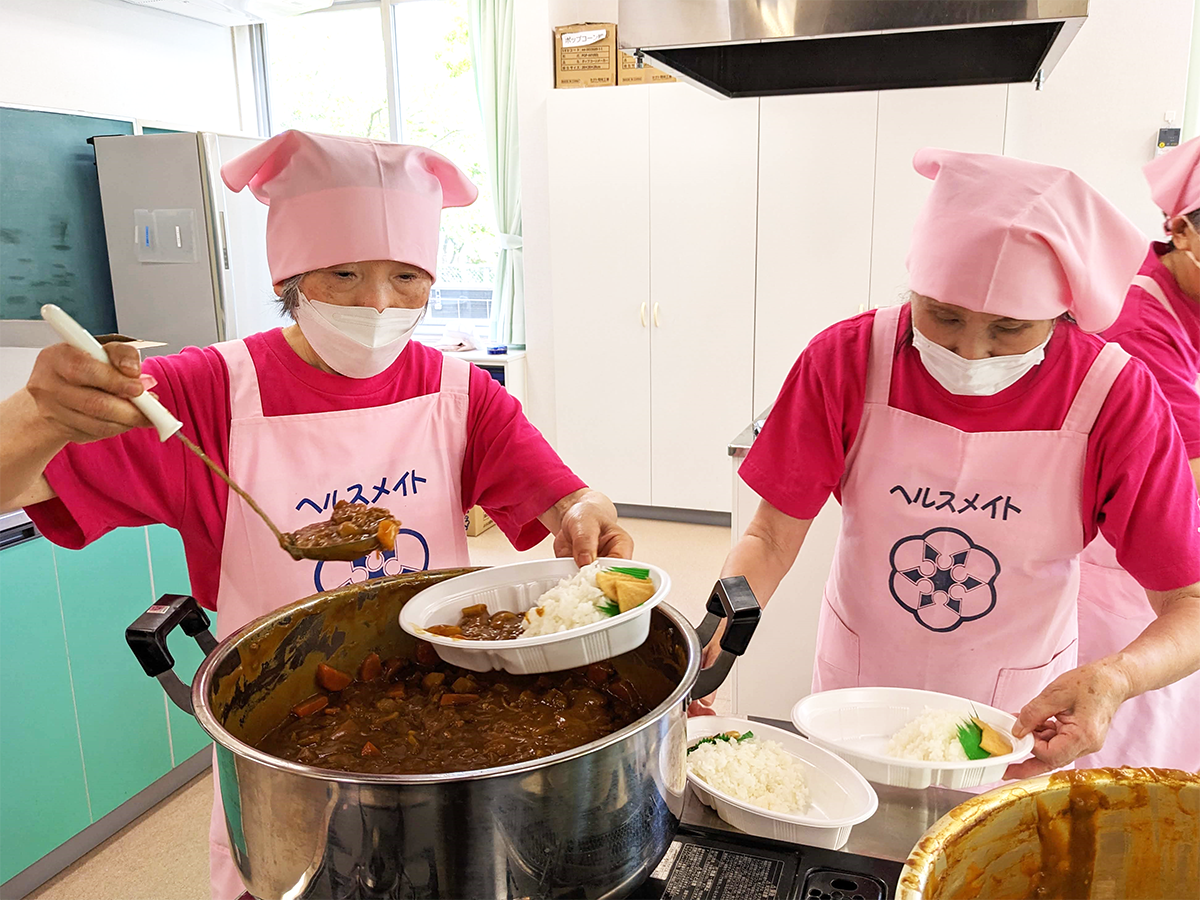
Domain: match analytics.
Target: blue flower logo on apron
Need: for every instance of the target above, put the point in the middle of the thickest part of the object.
(411, 555)
(944, 578)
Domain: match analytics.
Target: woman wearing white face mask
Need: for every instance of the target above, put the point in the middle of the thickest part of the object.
(977, 437)
(341, 405)
(1160, 325)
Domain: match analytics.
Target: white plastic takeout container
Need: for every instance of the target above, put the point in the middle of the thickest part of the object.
(840, 796)
(857, 723)
(517, 588)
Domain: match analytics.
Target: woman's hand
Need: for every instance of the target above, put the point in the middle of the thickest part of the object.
(585, 528)
(1070, 718)
(84, 400)
(703, 706)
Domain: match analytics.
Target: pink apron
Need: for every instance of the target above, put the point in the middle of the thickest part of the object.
(406, 456)
(956, 568)
(1158, 728)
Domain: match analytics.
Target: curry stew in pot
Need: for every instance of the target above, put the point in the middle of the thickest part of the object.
(477, 624)
(422, 716)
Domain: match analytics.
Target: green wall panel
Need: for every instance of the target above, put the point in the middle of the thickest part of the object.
(169, 568)
(52, 245)
(122, 718)
(43, 799)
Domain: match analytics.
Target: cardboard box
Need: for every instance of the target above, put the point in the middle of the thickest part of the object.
(629, 73)
(135, 343)
(585, 55)
(477, 521)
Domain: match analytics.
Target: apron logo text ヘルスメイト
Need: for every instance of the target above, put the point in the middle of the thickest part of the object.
(948, 501)
(407, 483)
(944, 578)
(411, 555)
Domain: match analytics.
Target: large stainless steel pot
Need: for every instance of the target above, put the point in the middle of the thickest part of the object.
(591, 822)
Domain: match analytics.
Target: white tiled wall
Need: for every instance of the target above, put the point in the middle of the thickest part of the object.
(15, 365)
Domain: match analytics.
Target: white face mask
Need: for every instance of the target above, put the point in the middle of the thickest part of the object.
(356, 341)
(976, 377)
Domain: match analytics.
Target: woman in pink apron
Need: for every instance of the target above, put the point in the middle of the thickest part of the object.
(1160, 325)
(977, 437)
(341, 405)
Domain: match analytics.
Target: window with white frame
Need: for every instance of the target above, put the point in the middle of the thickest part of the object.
(397, 70)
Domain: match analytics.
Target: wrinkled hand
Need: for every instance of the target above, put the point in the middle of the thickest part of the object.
(589, 530)
(1070, 717)
(86, 400)
(701, 707)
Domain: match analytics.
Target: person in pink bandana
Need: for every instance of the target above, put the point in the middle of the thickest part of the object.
(1160, 325)
(978, 436)
(341, 405)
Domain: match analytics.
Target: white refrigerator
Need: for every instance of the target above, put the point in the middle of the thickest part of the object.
(188, 256)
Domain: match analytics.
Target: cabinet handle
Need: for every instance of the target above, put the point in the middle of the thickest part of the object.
(642, 315)
(655, 315)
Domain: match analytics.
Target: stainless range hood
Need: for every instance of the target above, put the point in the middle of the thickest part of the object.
(756, 48)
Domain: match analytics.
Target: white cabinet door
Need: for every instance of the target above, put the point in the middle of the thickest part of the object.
(958, 118)
(815, 195)
(816, 182)
(703, 165)
(599, 274)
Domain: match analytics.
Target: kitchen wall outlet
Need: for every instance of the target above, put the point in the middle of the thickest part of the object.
(1168, 139)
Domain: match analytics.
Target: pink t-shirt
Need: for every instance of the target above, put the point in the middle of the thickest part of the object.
(1170, 348)
(133, 479)
(1137, 487)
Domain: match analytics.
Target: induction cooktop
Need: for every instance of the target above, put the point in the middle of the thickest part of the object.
(703, 864)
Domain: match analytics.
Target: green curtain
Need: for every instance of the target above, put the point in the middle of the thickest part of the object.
(493, 58)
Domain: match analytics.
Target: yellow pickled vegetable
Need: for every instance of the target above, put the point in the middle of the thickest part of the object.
(625, 589)
(992, 740)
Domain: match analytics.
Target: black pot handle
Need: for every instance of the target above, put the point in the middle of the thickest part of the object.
(147, 638)
(733, 600)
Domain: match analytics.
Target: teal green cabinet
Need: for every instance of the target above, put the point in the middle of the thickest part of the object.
(168, 568)
(122, 714)
(82, 728)
(43, 797)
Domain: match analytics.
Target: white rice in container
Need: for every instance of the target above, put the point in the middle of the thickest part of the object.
(930, 737)
(569, 604)
(758, 772)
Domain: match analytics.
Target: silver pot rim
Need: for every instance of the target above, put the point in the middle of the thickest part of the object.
(204, 715)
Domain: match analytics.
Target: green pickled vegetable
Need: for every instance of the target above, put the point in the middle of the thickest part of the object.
(721, 737)
(641, 574)
(969, 735)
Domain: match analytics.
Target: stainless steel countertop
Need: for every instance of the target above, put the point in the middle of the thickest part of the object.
(15, 528)
(903, 816)
(741, 444)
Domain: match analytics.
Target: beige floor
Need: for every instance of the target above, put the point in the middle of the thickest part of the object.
(163, 855)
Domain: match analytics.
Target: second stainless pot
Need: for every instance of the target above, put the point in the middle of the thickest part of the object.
(590, 822)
